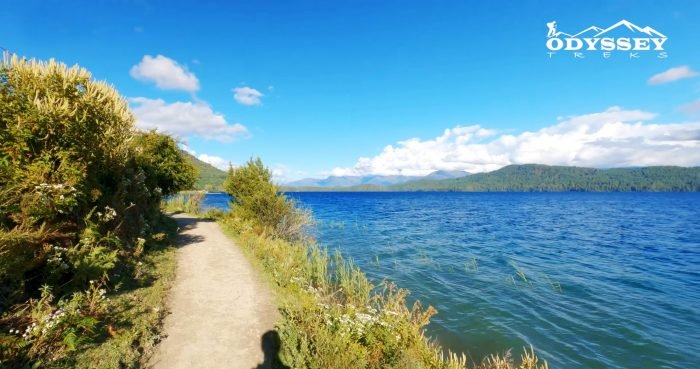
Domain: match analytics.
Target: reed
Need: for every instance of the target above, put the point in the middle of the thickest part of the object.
(189, 202)
(520, 272)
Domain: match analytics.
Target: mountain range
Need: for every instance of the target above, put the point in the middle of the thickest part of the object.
(545, 178)
(377, 180)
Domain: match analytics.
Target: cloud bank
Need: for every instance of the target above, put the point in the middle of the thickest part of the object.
(183, 119)
(673, 74)
(166, 73)
(216, 161)
(612, 138)
(247, 96)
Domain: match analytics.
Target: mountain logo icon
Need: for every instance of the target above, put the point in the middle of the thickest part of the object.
(595, 31)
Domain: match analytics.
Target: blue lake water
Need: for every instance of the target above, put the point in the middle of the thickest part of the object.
(591, 280)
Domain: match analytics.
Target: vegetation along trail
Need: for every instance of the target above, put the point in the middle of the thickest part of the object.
(220, 310)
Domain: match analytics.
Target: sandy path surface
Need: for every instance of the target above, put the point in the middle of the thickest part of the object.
(220, 310)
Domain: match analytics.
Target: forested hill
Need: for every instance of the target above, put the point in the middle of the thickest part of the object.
(535, 178)
(544, 178)
(210, 177)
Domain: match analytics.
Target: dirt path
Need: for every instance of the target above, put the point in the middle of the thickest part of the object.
(220, 310)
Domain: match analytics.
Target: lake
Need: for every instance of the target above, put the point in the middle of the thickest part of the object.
(591, 280)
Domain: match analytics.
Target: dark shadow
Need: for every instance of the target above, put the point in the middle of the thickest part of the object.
(188, 239)
(271, 345)
(185, 224)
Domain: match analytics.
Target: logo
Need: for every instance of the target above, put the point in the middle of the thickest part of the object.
(623, 36)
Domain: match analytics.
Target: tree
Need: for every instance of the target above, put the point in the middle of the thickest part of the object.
(165, 165)
(257, 199)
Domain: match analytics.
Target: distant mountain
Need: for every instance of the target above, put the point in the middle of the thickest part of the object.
(544, 178)
(373, 180)
(210, 177)
(446, 174)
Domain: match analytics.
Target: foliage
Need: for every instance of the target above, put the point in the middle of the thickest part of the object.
(257, 199)
(136, 309)
(332, 316)
(190, 203)
(165, 165)
(80, 189)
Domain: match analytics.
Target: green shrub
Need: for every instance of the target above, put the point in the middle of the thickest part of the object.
(164, 164)
(257, 199)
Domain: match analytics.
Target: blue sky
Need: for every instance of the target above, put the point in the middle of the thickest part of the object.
(336, 81)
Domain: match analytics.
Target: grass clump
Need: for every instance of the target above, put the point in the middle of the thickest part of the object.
(186, 202)
(332, 315)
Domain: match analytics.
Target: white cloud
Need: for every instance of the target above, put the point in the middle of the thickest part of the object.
(216, 161)
(673, 74)
(613, 138)
(282, 174)
(166, 73)
(184, 118)
(188, 149)
(247, 96)
(692, 108)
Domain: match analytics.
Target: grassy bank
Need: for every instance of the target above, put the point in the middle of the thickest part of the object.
(332, 316)
(137, 309)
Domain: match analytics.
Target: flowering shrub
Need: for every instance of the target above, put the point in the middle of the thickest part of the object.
(80, 189)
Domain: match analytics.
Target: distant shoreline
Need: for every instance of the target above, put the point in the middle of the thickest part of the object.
(540, 178)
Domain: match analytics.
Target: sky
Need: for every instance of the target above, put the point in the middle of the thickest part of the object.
(318, 88)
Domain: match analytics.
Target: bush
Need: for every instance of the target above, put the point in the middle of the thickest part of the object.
(164, 164)
(257, 199)
(79, 190)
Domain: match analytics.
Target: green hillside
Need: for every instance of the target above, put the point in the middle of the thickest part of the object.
(210, 178)
(536, 178)
(544, 178)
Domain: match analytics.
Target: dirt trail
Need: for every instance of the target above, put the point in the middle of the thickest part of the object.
(220, 310)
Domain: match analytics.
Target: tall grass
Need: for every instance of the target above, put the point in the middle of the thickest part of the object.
(188, 202)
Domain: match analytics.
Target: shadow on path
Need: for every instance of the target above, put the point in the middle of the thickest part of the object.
(271, 345)
(186, 224)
